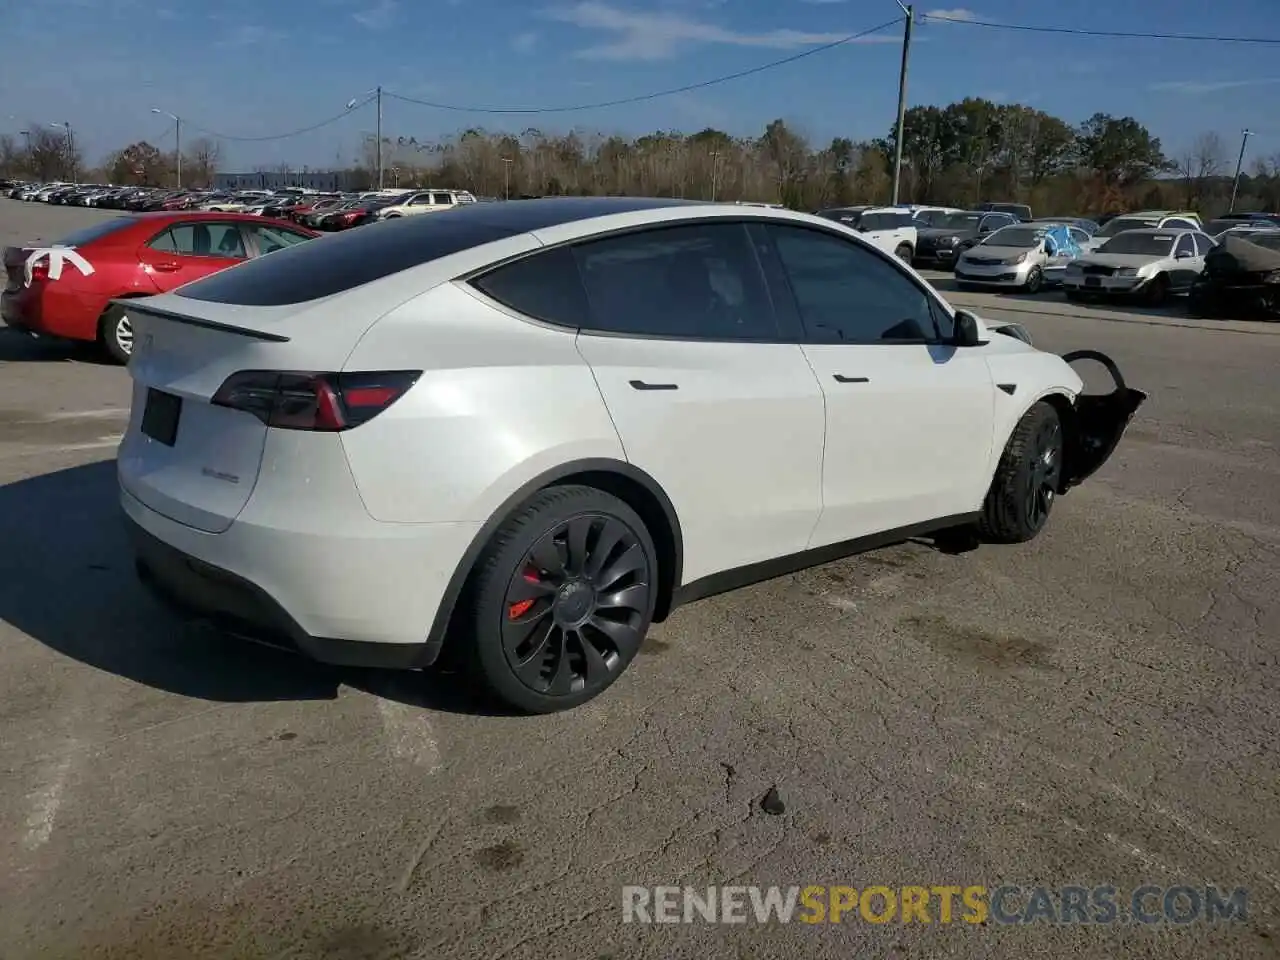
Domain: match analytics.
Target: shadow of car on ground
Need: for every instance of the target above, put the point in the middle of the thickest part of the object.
(71, 585)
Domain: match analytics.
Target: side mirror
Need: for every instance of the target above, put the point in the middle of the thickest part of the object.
(1183, 255)
(966, 334)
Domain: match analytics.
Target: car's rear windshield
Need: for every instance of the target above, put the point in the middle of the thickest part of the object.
(310, 271)
(95, 232)
(1154, 244)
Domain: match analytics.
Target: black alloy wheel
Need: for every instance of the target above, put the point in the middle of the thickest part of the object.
(1045, 476)
(564, 599)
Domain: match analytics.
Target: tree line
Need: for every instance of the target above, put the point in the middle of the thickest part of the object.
(959, 155)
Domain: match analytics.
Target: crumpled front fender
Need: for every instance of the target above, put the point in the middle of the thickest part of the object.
(1099, 422)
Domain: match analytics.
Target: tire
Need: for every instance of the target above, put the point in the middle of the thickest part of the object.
(543, 638)
(903, 252)
(1027, 479)
(1157, 291)
(115, 334)
(1035, 280)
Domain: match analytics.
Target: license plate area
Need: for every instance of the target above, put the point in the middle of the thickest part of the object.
(160, 416)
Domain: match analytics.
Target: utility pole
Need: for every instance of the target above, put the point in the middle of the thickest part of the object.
(71, 147)
(902, 101)
(177, 129)
(506, 177)
(379, 89)
(715, 165)
(1235, 184)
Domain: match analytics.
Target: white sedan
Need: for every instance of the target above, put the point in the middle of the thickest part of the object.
(1147, 263)
(522, 432)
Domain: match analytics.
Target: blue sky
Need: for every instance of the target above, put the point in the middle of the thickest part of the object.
(248, 68)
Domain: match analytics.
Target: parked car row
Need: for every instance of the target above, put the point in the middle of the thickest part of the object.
(315, 210)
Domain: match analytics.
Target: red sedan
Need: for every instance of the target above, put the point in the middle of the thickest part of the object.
(65, 289)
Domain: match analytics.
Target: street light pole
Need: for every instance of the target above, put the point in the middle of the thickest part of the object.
(1235, 184)
(376, 92)
(902, 102)
(506, 177)
(71, 148)
(177, 131)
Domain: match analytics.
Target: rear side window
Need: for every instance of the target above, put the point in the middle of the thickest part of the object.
(694, 282)
(310, 271)
(544, 286)
(96, 232)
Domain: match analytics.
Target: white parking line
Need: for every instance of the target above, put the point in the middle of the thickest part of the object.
(44, 450)
(104, 413)
(46, 798)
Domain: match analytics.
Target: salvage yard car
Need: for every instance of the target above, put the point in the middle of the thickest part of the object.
(66, 290)
(1024, 257)
(1241, 279)
(521, 433)
(1143, 220)
(888, 228)
(1147, 263)
(942, 243)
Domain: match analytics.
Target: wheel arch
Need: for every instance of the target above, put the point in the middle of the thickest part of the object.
(1060, 397)
(628, 483)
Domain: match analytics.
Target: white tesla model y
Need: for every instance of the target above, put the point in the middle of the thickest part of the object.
(521, 432)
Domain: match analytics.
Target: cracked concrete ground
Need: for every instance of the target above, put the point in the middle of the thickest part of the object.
(1098, 707)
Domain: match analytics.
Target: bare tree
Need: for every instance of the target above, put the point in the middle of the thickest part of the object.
(1199, 165)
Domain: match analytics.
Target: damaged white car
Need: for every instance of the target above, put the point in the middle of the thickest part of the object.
(1151, 264)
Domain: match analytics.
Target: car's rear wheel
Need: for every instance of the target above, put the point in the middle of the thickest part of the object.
(1027, 479)
(562, 599)
(115, 333)
(904, 252)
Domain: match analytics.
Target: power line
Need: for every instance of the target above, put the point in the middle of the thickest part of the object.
(812, 51)
(279, 136)
(1079, 32)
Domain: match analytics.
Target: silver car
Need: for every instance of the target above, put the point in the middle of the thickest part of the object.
(1147, 263)
(1017, 257)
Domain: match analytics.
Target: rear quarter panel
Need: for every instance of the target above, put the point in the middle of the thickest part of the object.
(501, 400)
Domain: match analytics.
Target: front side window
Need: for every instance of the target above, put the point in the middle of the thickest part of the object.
(1186, 246)
(848, 294)
(421, 200)
(694, 282)
(1203, 243)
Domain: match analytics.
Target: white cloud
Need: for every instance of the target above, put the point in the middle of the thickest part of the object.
(658, 36)
(378, 16)
(1209, 86)
(524, 42)
(958, 13)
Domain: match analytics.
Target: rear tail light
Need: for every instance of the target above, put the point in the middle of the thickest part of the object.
(324, 402)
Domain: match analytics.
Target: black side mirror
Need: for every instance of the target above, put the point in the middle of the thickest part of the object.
(966, 333)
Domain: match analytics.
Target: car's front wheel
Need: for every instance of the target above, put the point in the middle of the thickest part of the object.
(1027, 479)
(562, 599)
(1035, 280)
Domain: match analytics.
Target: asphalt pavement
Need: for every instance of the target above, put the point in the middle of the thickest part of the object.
(1098, 707)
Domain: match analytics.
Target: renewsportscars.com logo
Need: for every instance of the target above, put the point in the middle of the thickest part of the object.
(1005, 905)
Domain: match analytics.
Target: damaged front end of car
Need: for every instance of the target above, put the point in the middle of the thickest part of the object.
(1100, 420)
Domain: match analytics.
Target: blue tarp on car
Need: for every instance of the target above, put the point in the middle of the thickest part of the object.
(1059, 243)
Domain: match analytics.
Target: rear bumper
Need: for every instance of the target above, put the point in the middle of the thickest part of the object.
(348, 593)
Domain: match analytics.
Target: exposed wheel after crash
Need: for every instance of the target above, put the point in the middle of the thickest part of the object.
(520, 434)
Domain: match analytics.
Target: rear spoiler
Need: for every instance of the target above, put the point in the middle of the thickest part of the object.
(133, 306)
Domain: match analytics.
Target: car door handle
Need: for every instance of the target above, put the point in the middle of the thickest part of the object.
(841, 378)
(166, 266)
(641, 385)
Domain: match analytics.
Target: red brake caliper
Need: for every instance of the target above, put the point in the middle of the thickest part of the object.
(518, 610)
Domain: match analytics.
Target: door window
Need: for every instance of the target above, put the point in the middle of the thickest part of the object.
(271, 239)
(695, 282)
(201, 240)
(1186, 246)
(442, 199)
(848, 294)
(1203, 244)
